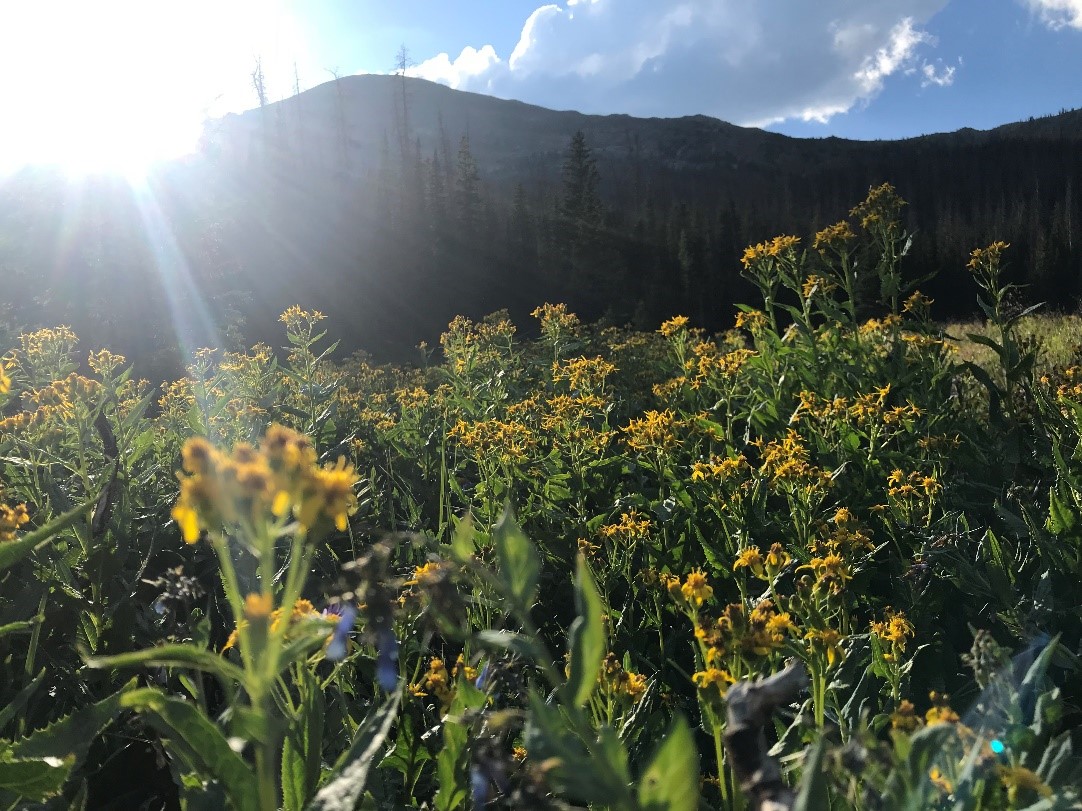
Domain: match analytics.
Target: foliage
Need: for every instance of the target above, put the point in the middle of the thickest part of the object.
(334, 605)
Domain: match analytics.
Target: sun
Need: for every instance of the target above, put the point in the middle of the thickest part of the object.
(117, 85)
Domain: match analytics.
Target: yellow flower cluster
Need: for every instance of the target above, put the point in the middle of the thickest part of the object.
(297, 319)
(752, 320)
(817, 285)
(825, 642)
(1071, 386)
(875, 326)
(11, 519)
(833, 236)
(772, 249)
(64, 393)
(45, 350)
(674, 325)
(763, 567)
(583, 374)
(917, 303)
(259, 608)
(620, 683)
(787, 461)
(719, 469)
(987, 257)
(5, 381)
(758, 632)
(940, 712)
(881, 206)
(893, 633)
(655, 431)
(104, 363)
(440, 683)
(831, 573)
(250, 485)
(507, 441)
(842, 535)
(632, 526)
(914, 486)
(555, 319)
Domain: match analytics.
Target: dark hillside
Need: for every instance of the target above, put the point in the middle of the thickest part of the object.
(393, 204)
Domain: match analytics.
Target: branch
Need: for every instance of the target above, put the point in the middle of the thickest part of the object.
(750, 705)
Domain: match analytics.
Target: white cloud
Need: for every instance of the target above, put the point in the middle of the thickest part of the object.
(750, 63)
(938, 74)
(471, 63)
(901, 44)
(1058, 13)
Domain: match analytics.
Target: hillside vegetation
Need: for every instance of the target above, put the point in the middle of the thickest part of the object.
(393, 205)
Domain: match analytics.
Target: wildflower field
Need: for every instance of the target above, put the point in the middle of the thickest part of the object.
(547, 573)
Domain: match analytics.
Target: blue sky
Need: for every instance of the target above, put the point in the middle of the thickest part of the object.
(119, 83)
(790, 65)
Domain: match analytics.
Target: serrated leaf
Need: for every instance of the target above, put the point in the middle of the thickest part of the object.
(520, 565)
(587, 637)
(1061, 517)
(35, 778)
(38, 765)
(346, 787)
(198, 743)
(14, 551)
(670, 781)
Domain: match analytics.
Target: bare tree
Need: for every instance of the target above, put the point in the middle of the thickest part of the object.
(259, 84)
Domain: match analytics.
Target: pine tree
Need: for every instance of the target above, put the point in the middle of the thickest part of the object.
(468, 190)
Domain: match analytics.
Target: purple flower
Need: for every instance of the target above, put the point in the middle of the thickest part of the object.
(386, 659)
(336, 650)
(478, 786)
(482, 678)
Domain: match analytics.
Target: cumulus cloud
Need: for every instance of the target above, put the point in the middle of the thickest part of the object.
(750, 63)
(1058, 13)
(470, 64)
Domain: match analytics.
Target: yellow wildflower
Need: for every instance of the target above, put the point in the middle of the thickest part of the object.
(696, 589)
(673, 326)
(258, 606)
(825, 641)
(751, 558)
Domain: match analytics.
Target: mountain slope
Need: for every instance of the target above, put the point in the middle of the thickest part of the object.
(394, 204)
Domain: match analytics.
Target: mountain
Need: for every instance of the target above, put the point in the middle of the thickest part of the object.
(393, 204)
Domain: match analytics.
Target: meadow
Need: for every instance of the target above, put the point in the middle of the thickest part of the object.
(547, 572)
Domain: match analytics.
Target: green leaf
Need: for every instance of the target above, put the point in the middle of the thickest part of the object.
(587, 637)
(22, 625)
(11, 709)
(173, 656)
(14, 551)
(670, 781)
(302, 752)
(451, 772)
(34, 778)
(1061, 517)
(198, 743)
(813, 794)
(509, 641)
(74, 734)
(462, 540)
(37, 766)
(346, 788)
(520, 565)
